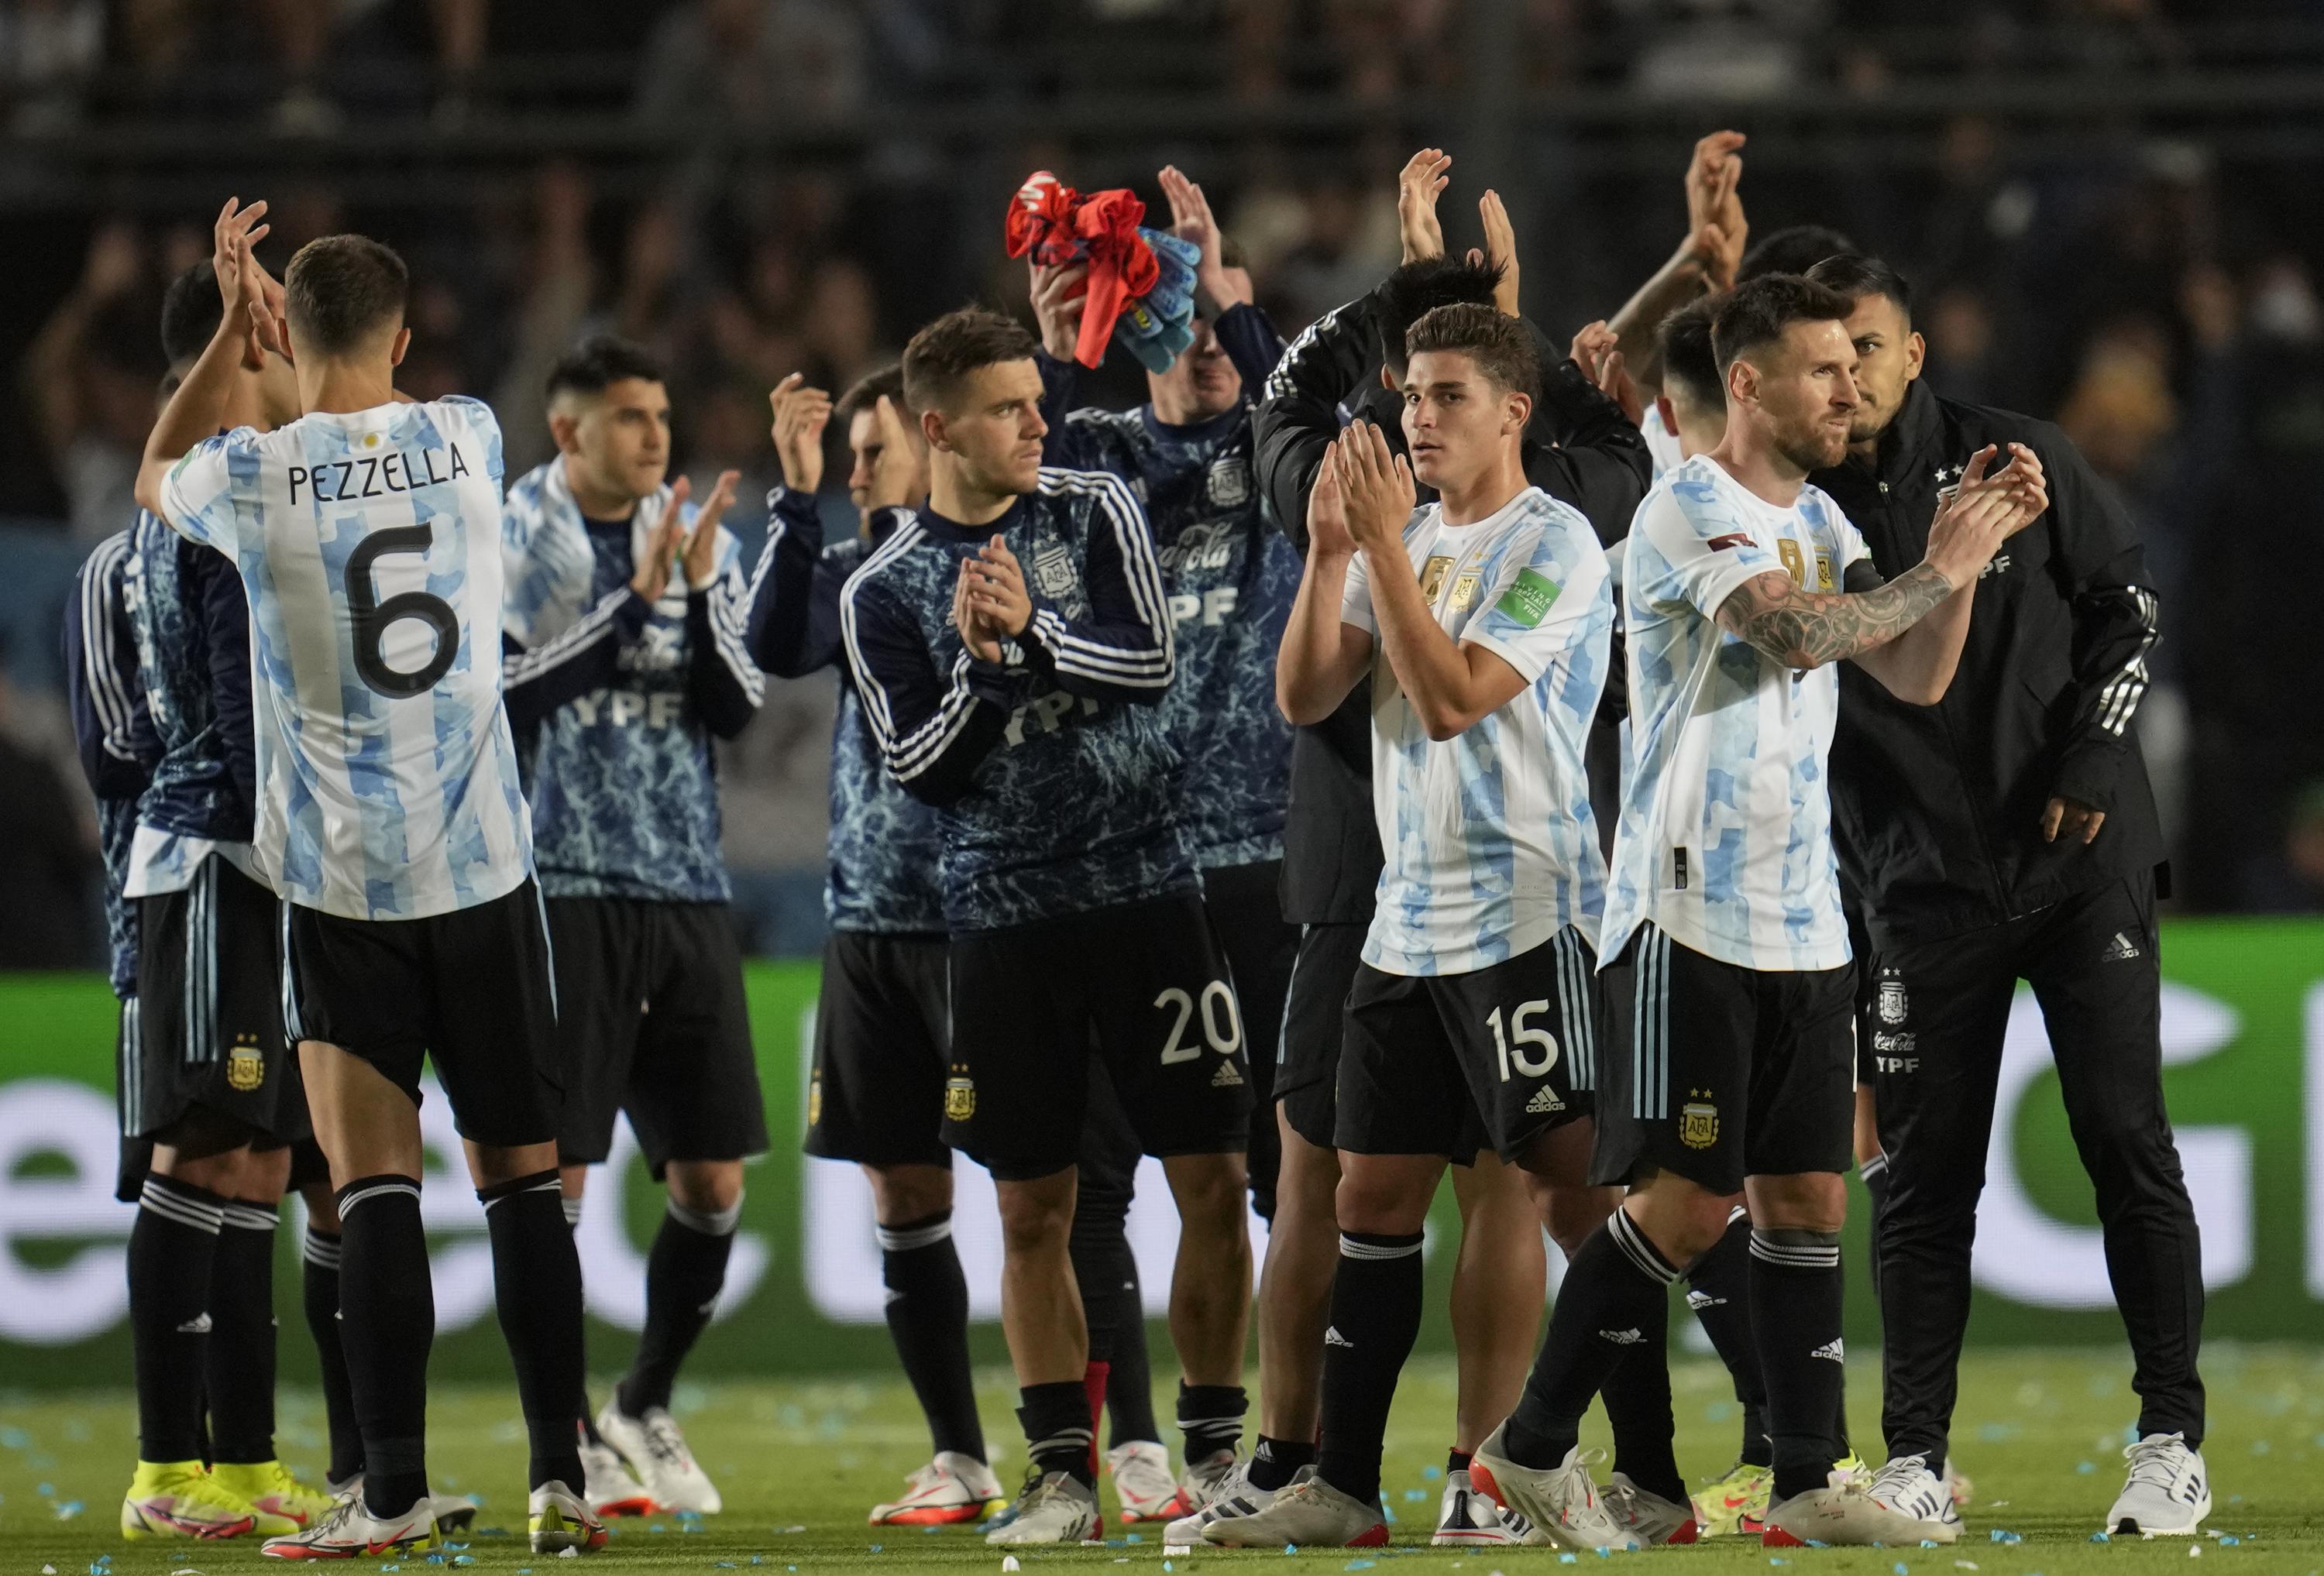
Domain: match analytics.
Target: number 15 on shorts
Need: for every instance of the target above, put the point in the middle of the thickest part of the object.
(1533, 1050)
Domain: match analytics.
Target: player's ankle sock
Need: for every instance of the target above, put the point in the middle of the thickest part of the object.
(1057, 1432)
(238, 1371)
(572, 1207)
(1375, 1299)
(318, 1265)
(685, 1271)
(928, 1319)
(1795, 1306)
(1130, 1381)
(387, 1320)
(537, 1287)
(1719, 1291)
(1638, 1397)
(1457, 1460)
(1604, 1307)
(172, 1245)
(1210, 1417)
(1274, 1463)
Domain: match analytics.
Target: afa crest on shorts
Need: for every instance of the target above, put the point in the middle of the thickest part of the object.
(245, 1067)
(1698, 1121)
(959, 1097)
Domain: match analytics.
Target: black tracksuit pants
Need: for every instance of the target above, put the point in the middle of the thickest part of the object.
(1934, 1016)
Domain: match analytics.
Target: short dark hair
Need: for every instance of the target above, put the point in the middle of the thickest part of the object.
(1418, 289)
(1757, 311)
(1498, 342)
(1857, 276)
(1792, 251)
(190, 310)
(598, 362)
(866, 392)
(1683, 338)
(340, 290)
(945, 352)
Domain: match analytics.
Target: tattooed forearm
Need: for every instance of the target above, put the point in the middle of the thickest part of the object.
(1804, 629)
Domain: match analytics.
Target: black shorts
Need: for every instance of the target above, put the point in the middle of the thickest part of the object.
(651, 1021)
(1147, 984)
(207, 1027)
(1452, 1064)
(1718, 1072)
(1246, 908)
(876, 1095)
(468, 992)
(1315, 1028)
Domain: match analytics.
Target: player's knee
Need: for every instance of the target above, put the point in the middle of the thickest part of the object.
(1379, 1201)
(707, 1187)
(909, 1193)
(1209, 1190)
(1036, 1215)
(1813, 1203)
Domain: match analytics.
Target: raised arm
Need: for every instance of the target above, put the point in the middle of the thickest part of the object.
(1908, 632)
(1706, 259)
(535, 681)
(1322, 656)
(194, 411)
(724, 685)
(1123, 650)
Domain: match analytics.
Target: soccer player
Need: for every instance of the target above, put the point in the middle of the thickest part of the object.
(1693, 403)
(1484, 622)
(367, 537)
(876, 1094)
(1230, 578)
(1580, 450)
(1725, 900)
(2009, 833)
(213, 1090)
(615, 714)
(1012, 643)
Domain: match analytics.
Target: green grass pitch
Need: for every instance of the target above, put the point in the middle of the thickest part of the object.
(799, 1462)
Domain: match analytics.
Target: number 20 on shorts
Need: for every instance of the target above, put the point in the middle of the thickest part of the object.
(1221, 1027)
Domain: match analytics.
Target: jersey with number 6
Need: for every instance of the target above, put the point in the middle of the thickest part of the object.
(370, 543)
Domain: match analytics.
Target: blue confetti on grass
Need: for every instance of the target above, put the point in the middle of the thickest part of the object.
(1359, 1564)
(1433, 1473)
(2085, 1468)
(2100, 1537)
(464, 1559)
(2004, 1535)
(1414, 1495)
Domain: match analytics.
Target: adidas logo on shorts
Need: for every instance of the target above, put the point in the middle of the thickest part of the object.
(1332, 1337)
(2121, 949)
(1543, 1099)
(1833, 1348)
(1226, 1077)
(1621, 1337)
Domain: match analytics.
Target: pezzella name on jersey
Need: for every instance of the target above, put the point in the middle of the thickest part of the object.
(379, 475)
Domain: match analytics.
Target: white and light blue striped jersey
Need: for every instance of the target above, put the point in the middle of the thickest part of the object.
(1725, 839)
(370, 544)
(1490, 845)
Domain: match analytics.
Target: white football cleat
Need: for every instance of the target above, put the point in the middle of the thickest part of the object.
(1142, 1480)
(453, 1513)
(608, 1482)
(951, 1488)
(1561, 1501)
(1907, 1487)
(349, 1531)
(656, 1450)
(2169, 1492)
(557, 1519)
(1845, 1514)
(1234, 1498)
(1467, 1517)
(1054, 1508)
(1311, 1515)
(1646, 1515)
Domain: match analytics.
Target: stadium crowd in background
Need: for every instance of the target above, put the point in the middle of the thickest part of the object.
(2160, 305)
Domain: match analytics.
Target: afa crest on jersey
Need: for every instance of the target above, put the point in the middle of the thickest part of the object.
(1891, 1003)
(1052, 571)
(1229, 485)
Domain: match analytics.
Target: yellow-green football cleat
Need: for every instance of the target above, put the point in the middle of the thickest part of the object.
(280, 1502)
(1722, 1507)
(178, 1500)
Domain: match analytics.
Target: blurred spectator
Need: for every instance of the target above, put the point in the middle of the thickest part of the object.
(47, 861)
(748, 61)
(89, 380)
(49, 51)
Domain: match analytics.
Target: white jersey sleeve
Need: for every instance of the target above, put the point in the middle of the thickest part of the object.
(198, 495)
(1541, 605)
(1701, 551)
(1356, 597)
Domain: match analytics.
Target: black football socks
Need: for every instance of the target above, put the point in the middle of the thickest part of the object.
(1376, 1303)
(537, 1288)
(172, 1246)
(685, 1271)
(387, 1322)
(928, 1319)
